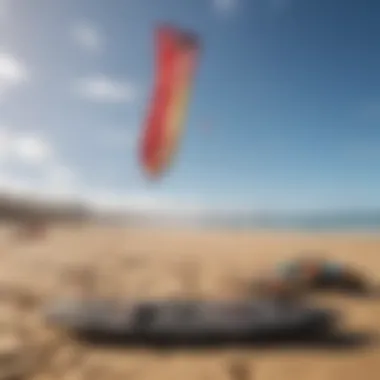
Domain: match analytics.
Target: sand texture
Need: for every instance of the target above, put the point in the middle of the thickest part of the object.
(118, 262)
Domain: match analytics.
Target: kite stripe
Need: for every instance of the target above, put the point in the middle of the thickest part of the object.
(176, 53)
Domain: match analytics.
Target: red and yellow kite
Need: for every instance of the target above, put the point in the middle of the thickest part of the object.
(177, 54)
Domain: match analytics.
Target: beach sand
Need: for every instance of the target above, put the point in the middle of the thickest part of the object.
(156, 263)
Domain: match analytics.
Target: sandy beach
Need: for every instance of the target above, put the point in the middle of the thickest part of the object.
(157, 263)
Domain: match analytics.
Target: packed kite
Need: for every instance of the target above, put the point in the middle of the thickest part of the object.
(177, 54)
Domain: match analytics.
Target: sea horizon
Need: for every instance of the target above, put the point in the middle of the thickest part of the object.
(350, 221)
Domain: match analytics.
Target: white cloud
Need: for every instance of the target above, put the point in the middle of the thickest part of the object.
(87, 36)
(12, 72)
(55, 181)
(164, 210)
(37, 189)
(143, 202)
(53, 185)
(101, 88)
(31, 149)
(225, 6)
(4, 144)
(60, 180)
(24, 148)
(34, 154)
(62, 174)
(59, 183)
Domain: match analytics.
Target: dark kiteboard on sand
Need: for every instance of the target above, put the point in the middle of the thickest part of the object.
(176, 321)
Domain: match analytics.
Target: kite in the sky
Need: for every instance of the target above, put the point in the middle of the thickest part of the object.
(177, 54)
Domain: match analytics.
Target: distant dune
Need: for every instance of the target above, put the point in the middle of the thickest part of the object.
(23, 209)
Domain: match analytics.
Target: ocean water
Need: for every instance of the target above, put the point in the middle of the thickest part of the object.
(368, 222)
(360, 222)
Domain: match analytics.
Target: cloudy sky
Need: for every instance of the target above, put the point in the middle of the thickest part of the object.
(284, 114)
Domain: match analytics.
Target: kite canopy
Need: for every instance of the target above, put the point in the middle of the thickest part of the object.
(176, 58)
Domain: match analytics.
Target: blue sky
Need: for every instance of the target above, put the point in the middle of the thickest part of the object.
(284, 113)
